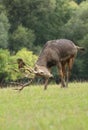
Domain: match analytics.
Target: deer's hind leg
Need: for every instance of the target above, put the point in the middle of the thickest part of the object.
(64, 69)
(62, 74)
(69, 68)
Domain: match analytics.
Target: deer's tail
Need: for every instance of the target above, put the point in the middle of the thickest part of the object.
(80, 48)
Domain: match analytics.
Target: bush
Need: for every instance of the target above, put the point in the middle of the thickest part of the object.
(8, 64)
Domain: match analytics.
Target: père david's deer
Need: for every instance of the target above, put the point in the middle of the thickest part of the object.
(60, 53)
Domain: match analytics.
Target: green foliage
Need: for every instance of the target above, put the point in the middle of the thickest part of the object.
(79, 1)
(50, 21)
(45, 18)
(53, 109)
(6, 66)
(4, 58)
(72, 7)
(84, 42)
(4, 27)
(9, 66)
(33, 22)
(77, 26)
(2, 8)
(22, 37)
(28, 56)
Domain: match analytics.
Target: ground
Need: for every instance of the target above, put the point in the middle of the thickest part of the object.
(54, 109)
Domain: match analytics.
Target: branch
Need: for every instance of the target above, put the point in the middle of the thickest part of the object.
(24, 85)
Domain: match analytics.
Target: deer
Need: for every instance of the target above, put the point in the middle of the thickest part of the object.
(60, 53)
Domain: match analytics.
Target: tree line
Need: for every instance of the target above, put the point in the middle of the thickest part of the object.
(28, 24)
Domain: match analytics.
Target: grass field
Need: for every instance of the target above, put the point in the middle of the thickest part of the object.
(53, 109)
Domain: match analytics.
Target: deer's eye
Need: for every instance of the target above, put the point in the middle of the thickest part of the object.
(41, 72)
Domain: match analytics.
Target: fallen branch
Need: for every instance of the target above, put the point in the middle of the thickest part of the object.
(16, 83)
(24, 85)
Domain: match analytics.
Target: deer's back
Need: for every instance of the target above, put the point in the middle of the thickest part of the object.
(61, 47)
(57, 50)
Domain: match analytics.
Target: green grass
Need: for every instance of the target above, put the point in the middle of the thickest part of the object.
(53, 109)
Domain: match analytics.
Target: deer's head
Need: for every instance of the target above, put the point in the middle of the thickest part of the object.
(42, 71)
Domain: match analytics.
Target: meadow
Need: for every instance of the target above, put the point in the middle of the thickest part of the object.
(53, 109)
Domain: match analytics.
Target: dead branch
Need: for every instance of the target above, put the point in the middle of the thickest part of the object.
(24, 85)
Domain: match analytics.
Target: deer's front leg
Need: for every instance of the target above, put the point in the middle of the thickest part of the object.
(46, 83)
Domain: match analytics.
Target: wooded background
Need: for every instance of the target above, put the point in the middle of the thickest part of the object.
(26, 25)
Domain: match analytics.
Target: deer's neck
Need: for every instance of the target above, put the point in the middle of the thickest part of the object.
(41, 61)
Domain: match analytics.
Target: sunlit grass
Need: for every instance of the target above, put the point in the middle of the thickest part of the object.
(53, 109)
